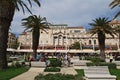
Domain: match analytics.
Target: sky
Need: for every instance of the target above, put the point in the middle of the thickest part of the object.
(74, 13)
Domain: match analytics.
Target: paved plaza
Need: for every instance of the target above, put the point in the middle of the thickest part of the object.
(32, 72)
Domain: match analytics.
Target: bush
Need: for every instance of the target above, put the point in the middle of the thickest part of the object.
(52, 69)
(110, 65)
(118, 59)
(57, 77)
(94, 60)
(54, 62)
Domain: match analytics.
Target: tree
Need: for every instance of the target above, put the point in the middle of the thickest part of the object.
(101, 27)
(35, 24)
(113, 4)
(7, 10)
(75, 45)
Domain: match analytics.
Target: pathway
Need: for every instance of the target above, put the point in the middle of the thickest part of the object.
(68, 70)
(29, 75)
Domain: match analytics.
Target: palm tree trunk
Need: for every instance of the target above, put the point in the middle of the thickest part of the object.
(35, 35)
(6, 16)
(101, 40)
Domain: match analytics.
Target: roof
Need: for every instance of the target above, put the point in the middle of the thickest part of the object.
(115, 21)
(81, 27)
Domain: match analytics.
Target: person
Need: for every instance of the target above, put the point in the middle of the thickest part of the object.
(38, 57)
(47, 61)
(69, 60)
(31, 58)
(111, 57)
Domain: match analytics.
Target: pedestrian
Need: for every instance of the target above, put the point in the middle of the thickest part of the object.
(38, 57)
(111, 58)
(69, 59)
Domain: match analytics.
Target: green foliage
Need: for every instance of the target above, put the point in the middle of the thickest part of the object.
(52, 69)
(75, 45)
(94, 59)
(57, 77)
(11, 72)
(110, 65)
(54, 62)
(115, 72)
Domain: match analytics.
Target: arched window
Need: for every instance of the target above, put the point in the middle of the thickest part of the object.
(90, 42)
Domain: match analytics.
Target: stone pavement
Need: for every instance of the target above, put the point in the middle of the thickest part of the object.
(30, 75)
(68, 70)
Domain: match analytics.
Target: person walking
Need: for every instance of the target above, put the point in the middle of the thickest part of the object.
(111, 58)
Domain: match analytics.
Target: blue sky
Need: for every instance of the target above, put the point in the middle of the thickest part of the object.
(75, 13)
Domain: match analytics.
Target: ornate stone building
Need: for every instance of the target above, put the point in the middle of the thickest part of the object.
(12, 40)
(60, 36)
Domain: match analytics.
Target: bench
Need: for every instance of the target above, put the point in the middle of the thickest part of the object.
(98, 73)
(38, 64)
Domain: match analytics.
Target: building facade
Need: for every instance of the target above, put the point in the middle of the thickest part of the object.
(61, 36)
(12, 40)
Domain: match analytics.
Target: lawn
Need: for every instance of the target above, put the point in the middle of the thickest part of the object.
(11, 72)
(115, 72)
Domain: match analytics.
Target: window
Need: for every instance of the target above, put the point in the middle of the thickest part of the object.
(77, 31)
(70, 31)
(89, 41)
(94, 41)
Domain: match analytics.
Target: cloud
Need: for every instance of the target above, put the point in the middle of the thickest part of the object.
(71, 12)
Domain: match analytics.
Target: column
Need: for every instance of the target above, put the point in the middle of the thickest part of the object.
(80, 45)
(93, 44)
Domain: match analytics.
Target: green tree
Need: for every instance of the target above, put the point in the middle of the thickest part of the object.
(7, 10)
(101, 27)
(113, 4)
(75, 45)
(35, 24)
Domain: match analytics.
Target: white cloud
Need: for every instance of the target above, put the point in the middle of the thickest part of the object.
(71, 12)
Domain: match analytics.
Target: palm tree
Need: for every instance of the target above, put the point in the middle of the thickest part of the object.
(7, 10)
(35, 24)
(113, 4)
(101, 27)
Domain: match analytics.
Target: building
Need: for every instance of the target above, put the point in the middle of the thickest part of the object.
(12, 40)
(60, 36)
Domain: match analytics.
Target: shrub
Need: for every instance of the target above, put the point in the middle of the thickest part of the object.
(57, 77)
(110, 65)
(95, 59)
(52, 69)
(118, 59)
(54, 62)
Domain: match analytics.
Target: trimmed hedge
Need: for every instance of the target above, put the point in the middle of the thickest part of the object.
(52, 69)
(96, 59)
(54, 62)
(57, 77)
(110, 65)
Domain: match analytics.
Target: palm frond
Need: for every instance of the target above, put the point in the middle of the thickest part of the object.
(23, 4)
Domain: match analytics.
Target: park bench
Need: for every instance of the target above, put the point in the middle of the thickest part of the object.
(38, 64)
(98, 73)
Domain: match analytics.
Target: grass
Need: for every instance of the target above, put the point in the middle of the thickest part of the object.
(80, 72)
(52, 69)
(11, 72)
(115, 72)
